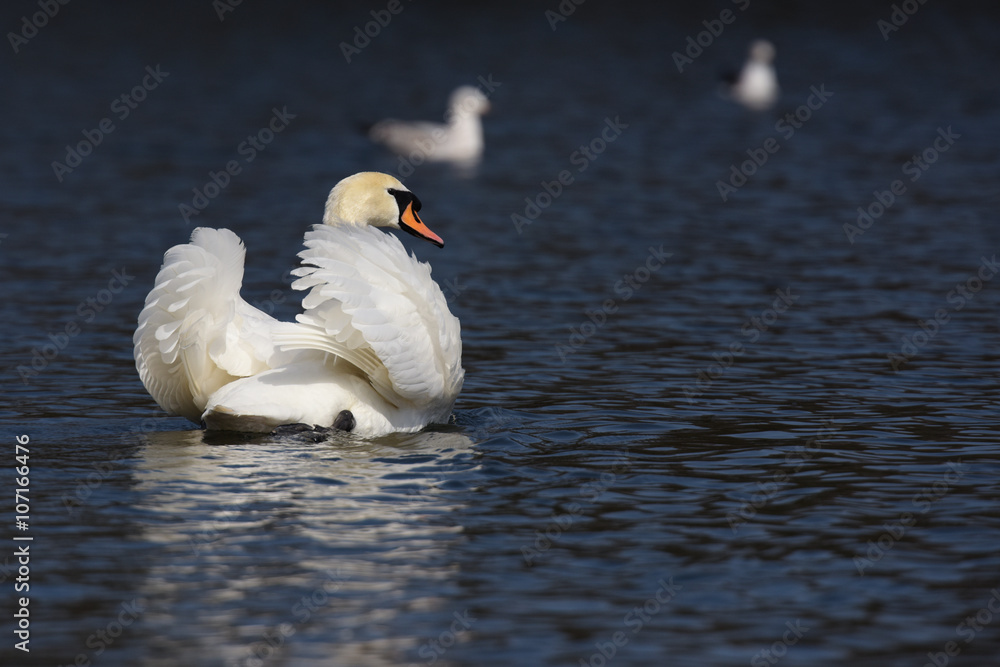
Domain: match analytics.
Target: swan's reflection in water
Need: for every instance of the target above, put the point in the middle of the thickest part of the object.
(289, 551)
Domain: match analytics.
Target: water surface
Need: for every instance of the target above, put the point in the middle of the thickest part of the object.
(683, 438)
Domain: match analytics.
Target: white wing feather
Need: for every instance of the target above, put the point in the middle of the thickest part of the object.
(195, 332)
(376, 307)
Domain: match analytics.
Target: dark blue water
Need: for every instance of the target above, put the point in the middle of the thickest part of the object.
(693, 431)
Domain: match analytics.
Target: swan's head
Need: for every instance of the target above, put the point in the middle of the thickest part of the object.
(762, 51)
(467, 101)
(379, 200)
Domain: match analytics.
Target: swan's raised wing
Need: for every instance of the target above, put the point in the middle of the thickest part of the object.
(377, 308)
(195, 332)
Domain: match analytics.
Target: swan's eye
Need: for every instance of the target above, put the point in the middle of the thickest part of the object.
(404, 197)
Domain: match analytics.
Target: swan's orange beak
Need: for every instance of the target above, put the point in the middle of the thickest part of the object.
(411, 222)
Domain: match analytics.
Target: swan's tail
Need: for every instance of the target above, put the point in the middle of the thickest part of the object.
(192, 334)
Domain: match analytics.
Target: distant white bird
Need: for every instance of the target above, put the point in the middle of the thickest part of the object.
(756, 86)
(375, 351)
(460, 140)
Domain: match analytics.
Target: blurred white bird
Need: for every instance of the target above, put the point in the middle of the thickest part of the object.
(756, 86)
(459, 140)
(374, 351)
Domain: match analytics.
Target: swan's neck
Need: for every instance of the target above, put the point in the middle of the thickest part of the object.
(337, 215)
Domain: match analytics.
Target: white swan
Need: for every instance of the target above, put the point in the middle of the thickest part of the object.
(756, 87)
(375, 351)
(460, 140)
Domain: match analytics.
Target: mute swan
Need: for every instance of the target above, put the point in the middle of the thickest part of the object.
(375, 350)
(460, 140)
(756, 87)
